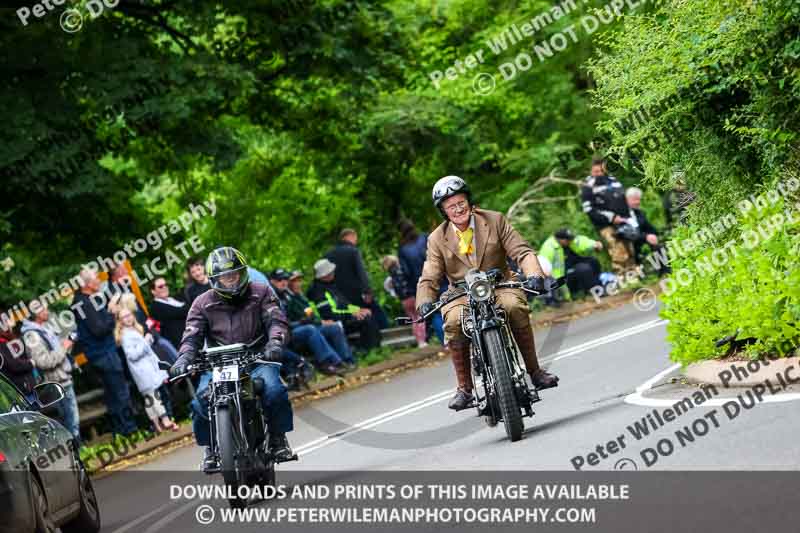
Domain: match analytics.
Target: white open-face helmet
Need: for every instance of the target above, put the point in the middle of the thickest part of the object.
(449, 186)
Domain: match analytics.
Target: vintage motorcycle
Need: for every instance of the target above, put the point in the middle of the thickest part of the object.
(504, 393)
(238, 425)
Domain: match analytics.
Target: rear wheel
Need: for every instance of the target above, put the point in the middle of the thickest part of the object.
(504, 385)
(229, 444)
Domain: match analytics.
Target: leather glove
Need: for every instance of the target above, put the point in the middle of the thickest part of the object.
(425, 308)
(180, 366)
(274, 351)
(535, 283)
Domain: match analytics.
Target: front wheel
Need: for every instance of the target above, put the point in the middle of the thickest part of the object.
(504, 385)
(88, 519)
(229, 444)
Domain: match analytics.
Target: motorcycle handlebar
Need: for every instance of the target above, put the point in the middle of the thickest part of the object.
(559, 282)
(202, 366)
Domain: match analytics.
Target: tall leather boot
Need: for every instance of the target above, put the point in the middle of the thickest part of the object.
(459, 351)
(527, 347)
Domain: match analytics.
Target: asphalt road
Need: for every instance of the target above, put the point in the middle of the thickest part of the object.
(404, 424)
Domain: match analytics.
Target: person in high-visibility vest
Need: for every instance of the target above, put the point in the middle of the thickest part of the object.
(331, 304)
(566, 252)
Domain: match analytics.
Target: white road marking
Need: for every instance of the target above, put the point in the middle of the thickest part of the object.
(636, 398)
(633, 330)
(372, 422)
(158, 526)
(327, 440)
(134, 523)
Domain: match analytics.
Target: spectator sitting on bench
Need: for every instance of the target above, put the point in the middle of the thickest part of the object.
(305, 334)
(332, 305)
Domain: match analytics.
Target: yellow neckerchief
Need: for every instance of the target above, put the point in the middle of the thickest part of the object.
(465, 245)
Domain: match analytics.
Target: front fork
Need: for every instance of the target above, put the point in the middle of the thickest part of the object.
(526, 395)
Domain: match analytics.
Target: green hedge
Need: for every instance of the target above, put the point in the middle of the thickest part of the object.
(751, 285)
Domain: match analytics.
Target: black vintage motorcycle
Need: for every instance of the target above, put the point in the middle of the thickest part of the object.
(238, 424)
(504, 393)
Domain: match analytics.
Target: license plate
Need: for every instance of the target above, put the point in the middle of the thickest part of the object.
(226, 373)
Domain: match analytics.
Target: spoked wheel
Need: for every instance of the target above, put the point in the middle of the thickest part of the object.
(41, 509)
(88, 520)
(504, 385)
(230, 443)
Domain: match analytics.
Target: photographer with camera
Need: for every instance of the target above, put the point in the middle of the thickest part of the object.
(603, 199)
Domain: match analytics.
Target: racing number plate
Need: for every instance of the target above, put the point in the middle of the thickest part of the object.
(226, 373)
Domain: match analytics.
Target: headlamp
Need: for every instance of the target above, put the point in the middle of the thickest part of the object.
(480, 291)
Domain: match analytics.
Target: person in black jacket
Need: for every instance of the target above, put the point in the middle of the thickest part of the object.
(603, 200)
(331, 304)
(406, 293)
(305, 336)
(96, 323)
(118, 288)
(169, 312)
(351, 276)
(647, 232)
(16, 364)
(197, 281)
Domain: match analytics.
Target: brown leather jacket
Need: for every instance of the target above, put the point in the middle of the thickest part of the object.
(220, 322)
(495, 241)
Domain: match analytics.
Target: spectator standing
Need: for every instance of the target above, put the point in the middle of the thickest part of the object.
(566, 254)
(143, 364)
(603, 200)
(407, 296)
(119, 290)
(118, 284)
(96, 334)
(170, 312)
(647, 232)
(412, 254)
(50, 354)
(163, 348)
(332, 305)
(196, 280)
(351, 276)
(413, 247)
(299, 310)
(16, 364)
